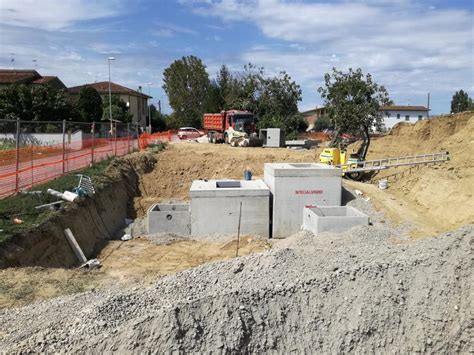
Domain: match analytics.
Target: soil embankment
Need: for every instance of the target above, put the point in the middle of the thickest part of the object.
(440, 197)
(93, 221)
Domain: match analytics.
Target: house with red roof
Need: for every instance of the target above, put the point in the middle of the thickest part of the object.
(28, 77)
(137, 101)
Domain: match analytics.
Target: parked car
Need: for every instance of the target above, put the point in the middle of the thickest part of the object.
(189, 133)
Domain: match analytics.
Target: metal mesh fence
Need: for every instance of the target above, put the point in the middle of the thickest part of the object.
(32, 152)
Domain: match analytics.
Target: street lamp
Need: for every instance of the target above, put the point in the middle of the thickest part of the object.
(149, 108)
(109, 59)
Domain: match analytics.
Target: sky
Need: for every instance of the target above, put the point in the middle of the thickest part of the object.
(411, 47)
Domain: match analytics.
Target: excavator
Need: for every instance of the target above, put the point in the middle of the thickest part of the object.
(355, 166)
(336, 154)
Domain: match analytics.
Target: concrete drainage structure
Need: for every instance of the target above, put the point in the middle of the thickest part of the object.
(162, 218)
(215, 207)
(295, 186)
(332, 219)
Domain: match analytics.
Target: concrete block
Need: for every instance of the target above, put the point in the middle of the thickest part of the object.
(335, 219)
(215, 207)
(174, 218)
(272, 137)
(296, 185)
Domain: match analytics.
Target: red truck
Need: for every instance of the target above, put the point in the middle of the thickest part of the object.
(229, 126)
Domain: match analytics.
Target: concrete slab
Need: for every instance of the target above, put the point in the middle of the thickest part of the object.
(215, 207)
(169, 218)
(297, 185)
(335, 219)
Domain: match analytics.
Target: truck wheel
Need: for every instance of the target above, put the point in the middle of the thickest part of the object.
(213, 139)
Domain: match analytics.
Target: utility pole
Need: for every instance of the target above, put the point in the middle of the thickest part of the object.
(110, 98)
(149, 108)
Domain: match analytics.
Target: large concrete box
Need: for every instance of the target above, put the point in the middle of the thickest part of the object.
(215, 207)
(332, 219)
(163, 218)
(272, 137)
(297, 185)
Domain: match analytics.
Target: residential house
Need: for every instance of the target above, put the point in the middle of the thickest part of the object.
(394, 114)
(137, 101)
(311, 116)
(28, 77)
(391, 115)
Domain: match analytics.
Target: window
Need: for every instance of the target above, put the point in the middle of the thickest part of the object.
(420, 117)
(398, 116)
(407, 118)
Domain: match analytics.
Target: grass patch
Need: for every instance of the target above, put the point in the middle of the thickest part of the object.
(22, 206)
(20, 286)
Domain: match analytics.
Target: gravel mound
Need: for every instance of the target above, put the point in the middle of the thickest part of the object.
(368, 290)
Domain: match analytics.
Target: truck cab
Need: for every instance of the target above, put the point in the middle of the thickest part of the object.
(239, 124)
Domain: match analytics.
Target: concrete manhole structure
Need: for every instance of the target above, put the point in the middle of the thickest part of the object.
(215, 206)
(294, 186)
(332, 219)
(172, 218)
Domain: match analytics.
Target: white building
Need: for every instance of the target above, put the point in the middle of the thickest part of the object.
(394, 114)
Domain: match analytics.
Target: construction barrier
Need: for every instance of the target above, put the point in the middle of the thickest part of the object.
(24, 167)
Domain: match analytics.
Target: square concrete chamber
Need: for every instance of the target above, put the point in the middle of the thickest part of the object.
(332, 219)
(297, 185)
(173, 218)
(215, 207)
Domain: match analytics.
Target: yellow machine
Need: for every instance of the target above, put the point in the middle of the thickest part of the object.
(336, 156)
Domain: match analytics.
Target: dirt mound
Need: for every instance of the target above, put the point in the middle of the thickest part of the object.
(444, 193)
(364, 291)
(180, 164)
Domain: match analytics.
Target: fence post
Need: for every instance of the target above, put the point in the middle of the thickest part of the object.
(128, 137)
(93, 139)
(115, 139)
(17, 154)
(64, 145)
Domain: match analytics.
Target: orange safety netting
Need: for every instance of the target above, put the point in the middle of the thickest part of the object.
(31, 165)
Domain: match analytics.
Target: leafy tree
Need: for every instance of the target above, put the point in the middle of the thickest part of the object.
(322, 123)
(215, 100)
(158, 120)
(279, 96)
(34, 103)
(460, 102)
(120, 110)
(353, 101)
(89, 104)
(187, 85)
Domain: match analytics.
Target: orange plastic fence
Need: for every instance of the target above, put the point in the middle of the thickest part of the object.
(37, 164)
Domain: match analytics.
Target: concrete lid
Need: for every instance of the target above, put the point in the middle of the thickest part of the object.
(301, 169)
(207, 188)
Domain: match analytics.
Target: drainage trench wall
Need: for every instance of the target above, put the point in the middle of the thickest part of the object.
(93, 221)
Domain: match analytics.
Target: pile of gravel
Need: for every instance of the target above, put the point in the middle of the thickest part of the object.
(366, 290)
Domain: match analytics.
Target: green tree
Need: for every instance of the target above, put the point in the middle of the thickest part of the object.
(322, 123)
(353, 101)
(460, 102)
(187, 85)
(120, 110)
(158, 120)
(279, 96)
(89, 104)
(35, 103)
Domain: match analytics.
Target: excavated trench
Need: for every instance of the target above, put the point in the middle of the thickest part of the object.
(93, 221)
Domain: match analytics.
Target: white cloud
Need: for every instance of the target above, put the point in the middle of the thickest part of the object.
(55, 14)
(171, 30)
(410, 48)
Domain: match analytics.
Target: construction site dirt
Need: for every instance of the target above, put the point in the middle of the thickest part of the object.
(402, 284)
